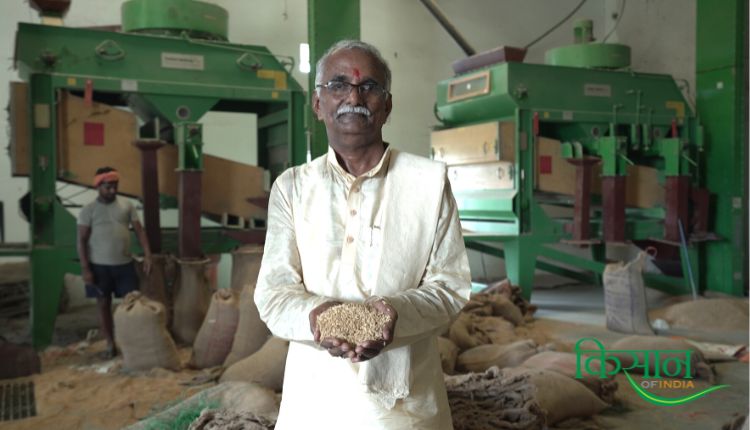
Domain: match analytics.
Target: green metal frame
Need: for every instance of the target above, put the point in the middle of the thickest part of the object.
(328, 21)
(721, 99)
(632, 114)
(219, 75)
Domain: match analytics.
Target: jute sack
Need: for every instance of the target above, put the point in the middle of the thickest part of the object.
(709, 314)
(251, 332)
(265, 367)
(625, 297)
(478, 308)
(141, 334)
(498, 330)
(250, 397)
(481, 358)
(565, 363)
(493, 400)
(192, 298)
(668, 363)
(245, 266)
(463, 333)
(448, 354)
(559, 396)
(500, 306)
(154, 285)
(215, 337)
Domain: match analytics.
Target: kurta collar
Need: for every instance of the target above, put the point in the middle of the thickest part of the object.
(380, 167)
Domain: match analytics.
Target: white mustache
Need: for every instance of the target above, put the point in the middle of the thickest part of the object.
(361, 110)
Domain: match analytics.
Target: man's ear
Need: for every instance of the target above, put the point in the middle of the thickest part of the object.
(316, 105)
(389, 104)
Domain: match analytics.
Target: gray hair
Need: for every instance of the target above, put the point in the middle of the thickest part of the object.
(352, 44)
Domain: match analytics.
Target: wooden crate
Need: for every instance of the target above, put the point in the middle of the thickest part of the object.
(487, 142)
(226, 184)
(555, 175)
(19, 128)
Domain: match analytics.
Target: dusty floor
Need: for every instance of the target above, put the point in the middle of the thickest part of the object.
(78, 389)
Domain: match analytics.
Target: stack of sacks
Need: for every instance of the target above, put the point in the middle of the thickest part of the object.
(215, 337)
(514, 294)
(489, 318)
(141, 333)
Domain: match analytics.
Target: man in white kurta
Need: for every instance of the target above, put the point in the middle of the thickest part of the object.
(364, 222)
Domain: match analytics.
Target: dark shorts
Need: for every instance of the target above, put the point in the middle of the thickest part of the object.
(120, 280)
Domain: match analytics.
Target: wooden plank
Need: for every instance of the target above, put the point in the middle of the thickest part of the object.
(483, 176)
(226, 184)
(19, 129)
(472, 144)
(554, 174)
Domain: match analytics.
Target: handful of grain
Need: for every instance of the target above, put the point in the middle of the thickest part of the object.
(352, 322)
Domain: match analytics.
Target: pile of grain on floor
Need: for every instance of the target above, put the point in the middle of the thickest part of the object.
(352, 322)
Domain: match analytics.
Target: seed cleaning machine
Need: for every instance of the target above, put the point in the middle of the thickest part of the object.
(132, 99)
(578, 151)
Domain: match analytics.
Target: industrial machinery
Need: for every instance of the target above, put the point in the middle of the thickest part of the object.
(170, 64)
(577, 152)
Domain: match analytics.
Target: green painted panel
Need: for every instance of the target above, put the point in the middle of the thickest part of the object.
(156, 59)
(174, 16)
(328, 22)
(721, 97)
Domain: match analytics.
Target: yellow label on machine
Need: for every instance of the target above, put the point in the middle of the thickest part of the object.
(278, 76)
(677, 106)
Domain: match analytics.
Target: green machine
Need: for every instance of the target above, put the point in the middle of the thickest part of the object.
(575, 152)
(170, 65)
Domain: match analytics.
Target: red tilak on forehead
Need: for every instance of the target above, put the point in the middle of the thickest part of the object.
(356, 73)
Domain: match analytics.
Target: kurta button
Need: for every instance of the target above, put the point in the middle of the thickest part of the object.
(349, 239)
(353, 212)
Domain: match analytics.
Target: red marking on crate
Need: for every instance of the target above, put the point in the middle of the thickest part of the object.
(545, 164)
(93, 133)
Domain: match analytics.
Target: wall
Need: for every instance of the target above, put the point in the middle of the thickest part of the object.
(661, 34)
(416, 46)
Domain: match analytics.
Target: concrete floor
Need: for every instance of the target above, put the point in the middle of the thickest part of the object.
(580, 311)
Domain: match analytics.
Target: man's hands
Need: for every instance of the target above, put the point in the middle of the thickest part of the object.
(363, 351)
(88, 276)
(371, 348)
(147, 264)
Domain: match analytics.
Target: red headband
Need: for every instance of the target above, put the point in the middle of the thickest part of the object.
(112, 176)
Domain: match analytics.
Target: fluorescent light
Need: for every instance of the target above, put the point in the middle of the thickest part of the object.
(304, 58)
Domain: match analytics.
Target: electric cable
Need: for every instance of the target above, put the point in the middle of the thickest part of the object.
(617, 22)
(546, 33)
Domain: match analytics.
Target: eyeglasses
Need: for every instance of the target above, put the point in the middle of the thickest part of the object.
(343, 88)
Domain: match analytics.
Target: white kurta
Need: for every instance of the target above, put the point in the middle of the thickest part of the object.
(392, 232)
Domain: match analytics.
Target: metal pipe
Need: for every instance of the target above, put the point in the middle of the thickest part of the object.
(450, 28)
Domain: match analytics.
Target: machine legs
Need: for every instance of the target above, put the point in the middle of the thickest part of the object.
(676, 196)
(582, 205)
(150, 187)
(190, 214)
(520, 263)
(47, 274)
(613, 197)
